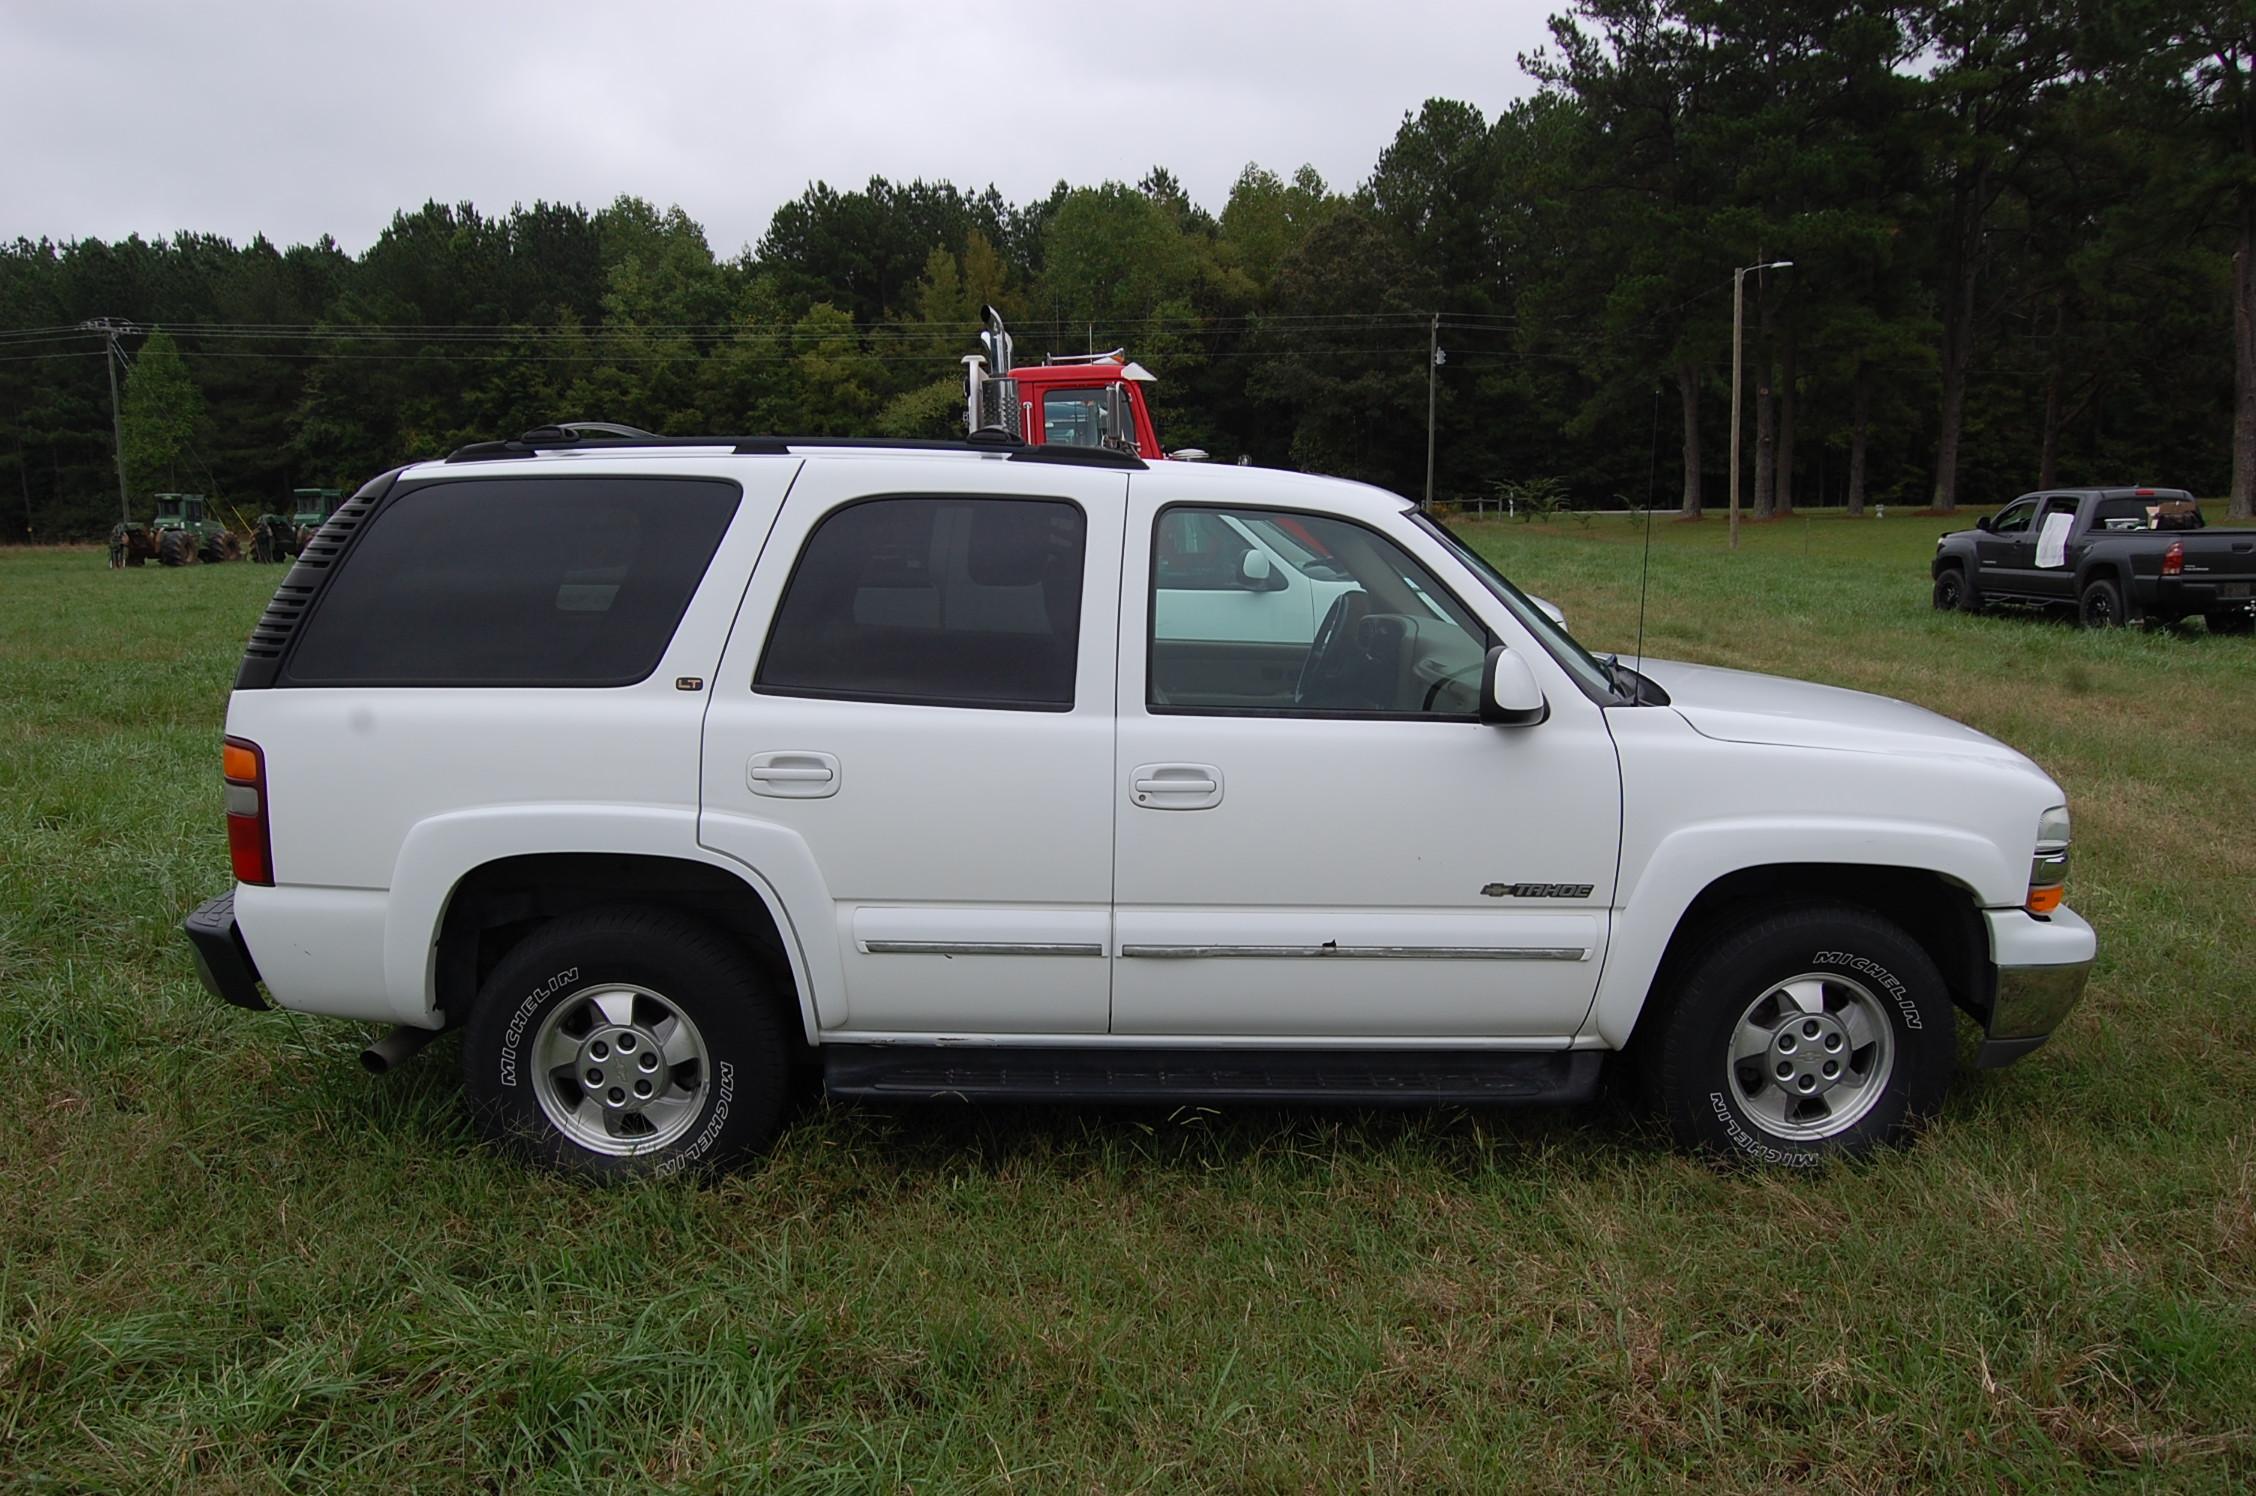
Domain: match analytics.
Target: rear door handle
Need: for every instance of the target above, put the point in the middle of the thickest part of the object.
(1176, 786)
(793, 774)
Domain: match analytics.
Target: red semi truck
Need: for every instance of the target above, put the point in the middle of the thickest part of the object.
(1081, 400)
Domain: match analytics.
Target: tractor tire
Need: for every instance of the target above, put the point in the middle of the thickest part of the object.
(174, 549)
(262, 546)
(221, 547)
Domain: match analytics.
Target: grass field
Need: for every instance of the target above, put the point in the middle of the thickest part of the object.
(230, 1259)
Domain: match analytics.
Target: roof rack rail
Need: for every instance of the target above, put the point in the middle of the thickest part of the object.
(596, 436)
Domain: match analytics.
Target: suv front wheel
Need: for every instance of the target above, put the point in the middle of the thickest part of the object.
(626, 1042)
(1817, 1033)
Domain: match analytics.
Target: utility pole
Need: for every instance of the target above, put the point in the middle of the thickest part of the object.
(109, 330)
(1738, 332)
(1434, 360)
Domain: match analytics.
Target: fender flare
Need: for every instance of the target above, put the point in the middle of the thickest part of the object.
(1689, 861)
(438, 853)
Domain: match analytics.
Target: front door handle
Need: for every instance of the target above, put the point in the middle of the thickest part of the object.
(1176, 786)
(793, 775)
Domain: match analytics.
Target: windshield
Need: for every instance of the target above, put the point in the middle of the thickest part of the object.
(1581, 662)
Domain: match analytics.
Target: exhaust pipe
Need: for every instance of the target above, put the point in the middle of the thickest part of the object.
(395, 1048)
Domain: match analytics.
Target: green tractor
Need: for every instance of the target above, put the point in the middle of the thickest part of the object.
(180, 535)
(280, 537)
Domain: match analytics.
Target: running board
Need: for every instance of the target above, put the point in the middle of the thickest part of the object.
(1359, 1077)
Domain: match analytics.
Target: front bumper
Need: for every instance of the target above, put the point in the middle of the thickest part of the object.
(2042, 966)
(223, 962)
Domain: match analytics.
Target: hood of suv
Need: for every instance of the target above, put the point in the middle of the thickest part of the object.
(1739, 706)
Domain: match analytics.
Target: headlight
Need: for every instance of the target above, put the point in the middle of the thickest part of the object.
(2048, 869)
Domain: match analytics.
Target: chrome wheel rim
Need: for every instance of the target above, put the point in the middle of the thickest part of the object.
(620, 1069)
(1810, 1057)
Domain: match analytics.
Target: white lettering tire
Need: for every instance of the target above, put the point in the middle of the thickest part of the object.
(1821, 1032)
(620, 1043)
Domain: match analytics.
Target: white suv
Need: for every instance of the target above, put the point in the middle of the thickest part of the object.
(669, 769)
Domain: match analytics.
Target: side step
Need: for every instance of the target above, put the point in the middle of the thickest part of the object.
(1356, 1077)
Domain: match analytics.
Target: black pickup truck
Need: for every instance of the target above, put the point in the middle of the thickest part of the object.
(2117, 555)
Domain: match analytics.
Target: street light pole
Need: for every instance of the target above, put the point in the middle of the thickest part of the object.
(1738, 332)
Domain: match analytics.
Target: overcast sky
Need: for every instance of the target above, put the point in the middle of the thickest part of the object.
(298, 119)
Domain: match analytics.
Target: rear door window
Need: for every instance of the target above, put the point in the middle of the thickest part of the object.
(972, 602)
(564, 581)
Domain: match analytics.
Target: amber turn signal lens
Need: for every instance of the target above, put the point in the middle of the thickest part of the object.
(239, 762)
(2045, 900)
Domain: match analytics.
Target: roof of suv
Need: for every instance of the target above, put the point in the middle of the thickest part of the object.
(557, 445)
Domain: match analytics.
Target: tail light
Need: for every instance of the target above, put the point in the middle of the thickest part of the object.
(250, 846)
(2173, 559)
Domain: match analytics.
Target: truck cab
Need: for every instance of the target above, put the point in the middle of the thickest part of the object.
(1073, 400)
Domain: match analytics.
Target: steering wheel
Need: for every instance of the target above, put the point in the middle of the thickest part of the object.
(1328, 658)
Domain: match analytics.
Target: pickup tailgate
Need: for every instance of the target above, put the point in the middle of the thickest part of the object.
(2224, 559)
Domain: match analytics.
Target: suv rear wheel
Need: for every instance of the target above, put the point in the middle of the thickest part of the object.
(1819, 1033)
(626, 1042)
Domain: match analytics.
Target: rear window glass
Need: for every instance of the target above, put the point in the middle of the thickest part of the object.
(936, 602)
(516, 582)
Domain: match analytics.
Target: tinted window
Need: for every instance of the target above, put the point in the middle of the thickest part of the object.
(515, 582)
(937, 602)
(2014, 518)
(1370, 633)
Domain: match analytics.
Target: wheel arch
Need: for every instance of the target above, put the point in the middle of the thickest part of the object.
(550, 852)
(1940, 912)
(495, 905)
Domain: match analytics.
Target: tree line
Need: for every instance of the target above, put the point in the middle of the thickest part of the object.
(2022, 237)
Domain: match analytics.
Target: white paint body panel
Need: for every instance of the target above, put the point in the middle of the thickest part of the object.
(1362, 834)
(945, 887)
(990, 825)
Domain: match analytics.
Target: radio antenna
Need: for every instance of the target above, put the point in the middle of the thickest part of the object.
(1645, 567)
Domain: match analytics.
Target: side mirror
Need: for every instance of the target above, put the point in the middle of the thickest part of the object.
(1550, 610)
(1984, 524)
(1257, 574)
(1509, 695)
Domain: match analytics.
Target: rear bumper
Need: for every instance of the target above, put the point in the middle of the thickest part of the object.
(2042, 967)
(2182, 597)
(223, 962)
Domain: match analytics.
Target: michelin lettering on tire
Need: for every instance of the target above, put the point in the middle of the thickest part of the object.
(524, 1015)
(1865, 966)
(724, 1090)
(1755, 1148)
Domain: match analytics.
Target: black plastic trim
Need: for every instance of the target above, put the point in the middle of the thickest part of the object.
(551, 439)
(1355, 1077)
(223, 962)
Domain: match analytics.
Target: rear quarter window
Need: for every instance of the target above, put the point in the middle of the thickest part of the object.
(562, 581)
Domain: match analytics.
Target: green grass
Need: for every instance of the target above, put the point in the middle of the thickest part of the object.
(230, 1259)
